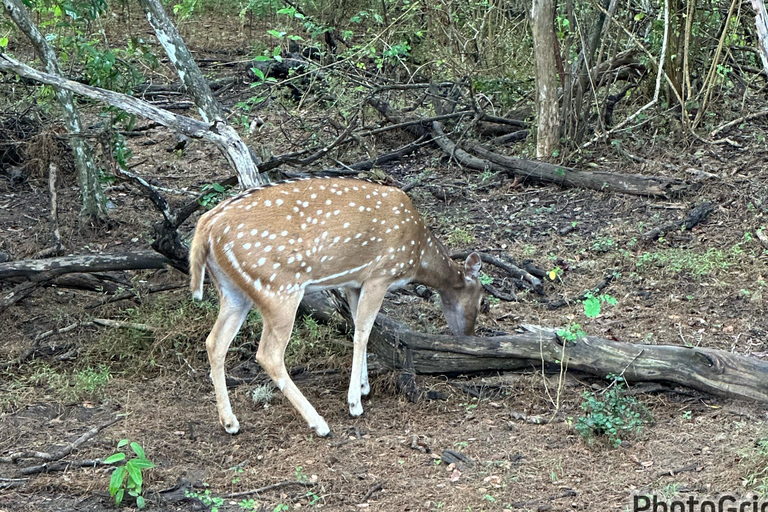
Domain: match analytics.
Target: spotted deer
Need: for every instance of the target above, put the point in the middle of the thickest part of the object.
(269, 245)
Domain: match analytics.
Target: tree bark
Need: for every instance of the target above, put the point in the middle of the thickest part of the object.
(94, 201)
(547, 116)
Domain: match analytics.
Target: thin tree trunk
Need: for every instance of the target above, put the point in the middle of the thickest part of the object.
(761, 23)
(236, 152)
(94, 202)
(544, 40)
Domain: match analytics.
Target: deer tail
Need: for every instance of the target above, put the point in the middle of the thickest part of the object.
(198, 256)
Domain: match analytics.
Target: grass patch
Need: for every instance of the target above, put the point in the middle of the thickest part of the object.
(313, 344)
(89, 383)
(754, 464)
(682, 260)
(460, 236)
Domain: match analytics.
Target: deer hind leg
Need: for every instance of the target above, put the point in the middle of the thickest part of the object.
(278, 324)
(370, 299)
(353, 297)
(232, 312)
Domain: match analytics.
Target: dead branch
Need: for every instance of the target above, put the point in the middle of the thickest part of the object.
(57, 247)
(538, 171)
(131, 294)
(694, 217)
(602, 285)
(62, 452)
(106, 322)
(48, 467)
(512, 270)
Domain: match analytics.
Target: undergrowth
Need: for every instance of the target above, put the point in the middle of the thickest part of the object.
(611, 414)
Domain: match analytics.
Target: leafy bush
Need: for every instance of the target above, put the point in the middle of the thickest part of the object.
(613, 415)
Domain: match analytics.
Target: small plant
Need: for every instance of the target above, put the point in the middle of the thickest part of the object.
(262, 394)
(592, 303)
(249, 504)
(300, 475)
(129, 477)
(613, 415)
(555, 273)
(212, 194)
(206, 498)
(603, 244)
(573, 332)
(91, 381)
(281, 507)
(460, 236)
(485, 278)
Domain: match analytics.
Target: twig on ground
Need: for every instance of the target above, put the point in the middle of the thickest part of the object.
(106, 322)
(376, 488)
(57, 247)
(509, 268)
(597, 289)
(695, 216)
(63, 452)
(266, 488)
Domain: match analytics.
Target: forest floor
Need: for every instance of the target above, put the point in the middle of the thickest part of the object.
(702, 287)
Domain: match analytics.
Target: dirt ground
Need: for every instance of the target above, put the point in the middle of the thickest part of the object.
(702, 287)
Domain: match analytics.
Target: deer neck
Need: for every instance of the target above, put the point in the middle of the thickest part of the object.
(437, 270)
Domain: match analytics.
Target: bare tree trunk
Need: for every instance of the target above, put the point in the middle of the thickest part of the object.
(548, 129)
(236, 152)
(761, 22)
(94, 201)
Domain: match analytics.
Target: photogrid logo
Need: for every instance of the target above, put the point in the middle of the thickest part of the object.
(724, 503)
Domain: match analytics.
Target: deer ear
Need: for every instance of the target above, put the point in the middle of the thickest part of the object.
(472, 265)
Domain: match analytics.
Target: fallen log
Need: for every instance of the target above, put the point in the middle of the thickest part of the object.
(47, 269)
(709, 370)
(477, 157)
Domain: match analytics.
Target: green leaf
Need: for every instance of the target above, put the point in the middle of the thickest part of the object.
(122, 443)
(134, 473)
(262, 58)
(259, 74)
(140, 502)
(136, 447)
(114, 458)
(143, 463)
(119, 496)
(3, 42)
(116, 482)
(592, 307)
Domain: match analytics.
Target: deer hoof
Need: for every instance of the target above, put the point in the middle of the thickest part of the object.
(322, 430)
(356, 410)
(232, 426)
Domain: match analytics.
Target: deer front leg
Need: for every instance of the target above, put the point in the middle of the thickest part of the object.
(369, 303)
(232, 313)
(353, 297)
